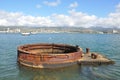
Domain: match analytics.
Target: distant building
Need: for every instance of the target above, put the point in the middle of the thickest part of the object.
(100, 32)
(114, 31)
(8, 30)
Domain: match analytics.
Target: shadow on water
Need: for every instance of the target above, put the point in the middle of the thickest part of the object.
(75, 72)
(66, 73)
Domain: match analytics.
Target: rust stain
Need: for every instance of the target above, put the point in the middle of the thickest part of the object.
(47, 55)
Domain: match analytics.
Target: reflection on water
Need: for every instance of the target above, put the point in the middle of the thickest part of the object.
(75, 72)
(68, 73)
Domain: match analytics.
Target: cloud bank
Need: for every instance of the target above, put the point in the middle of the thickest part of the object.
(73, 19)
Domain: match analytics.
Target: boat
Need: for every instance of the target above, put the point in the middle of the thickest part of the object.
(26, 33)
(34, 32)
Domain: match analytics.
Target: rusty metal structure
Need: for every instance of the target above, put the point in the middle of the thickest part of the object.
(44, 55)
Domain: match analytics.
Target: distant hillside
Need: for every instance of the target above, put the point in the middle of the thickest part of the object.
(59, 29)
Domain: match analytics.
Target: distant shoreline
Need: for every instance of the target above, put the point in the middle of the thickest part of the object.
(36, 30)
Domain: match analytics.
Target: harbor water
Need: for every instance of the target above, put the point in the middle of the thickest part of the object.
(106, 44)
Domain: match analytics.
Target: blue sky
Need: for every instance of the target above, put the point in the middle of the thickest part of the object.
(60, 12)
(96, 7)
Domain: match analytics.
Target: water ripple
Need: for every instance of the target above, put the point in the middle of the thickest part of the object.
(109, 45)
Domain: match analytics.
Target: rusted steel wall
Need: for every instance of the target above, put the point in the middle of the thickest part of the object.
(47, 46)
(67, 54)
(49, 58)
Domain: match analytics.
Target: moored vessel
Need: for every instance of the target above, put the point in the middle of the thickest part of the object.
(26, 33)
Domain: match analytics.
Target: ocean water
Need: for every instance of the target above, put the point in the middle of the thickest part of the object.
(107, 44)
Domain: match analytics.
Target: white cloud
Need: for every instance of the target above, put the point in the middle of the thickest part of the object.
(82, 20)
(73, 5)
(38, 6)
(7, 19)
(118, 8)
(55, 3)
(62, 20)
(18, 19)
(112, 20)
(35, 21)
(3, 22)
(73, 18)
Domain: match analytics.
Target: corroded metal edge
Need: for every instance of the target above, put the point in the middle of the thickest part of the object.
(48, 60)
